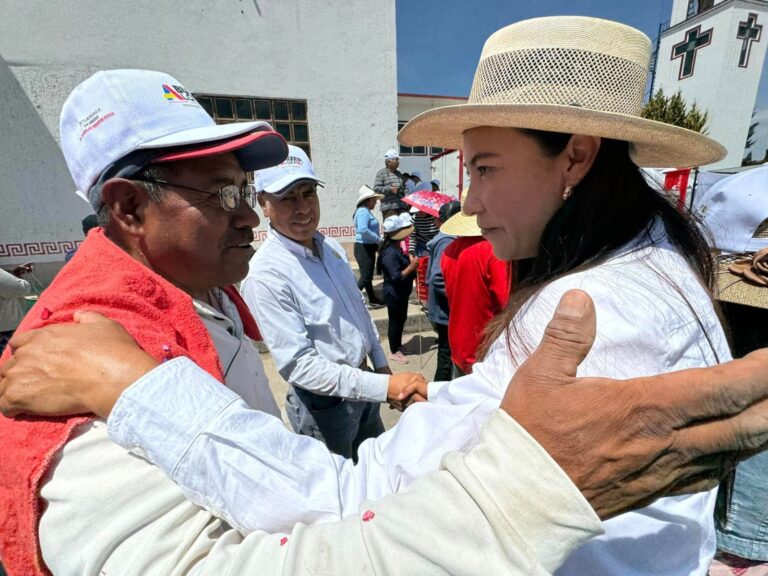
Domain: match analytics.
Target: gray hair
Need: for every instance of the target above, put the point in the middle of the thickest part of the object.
(155, 192)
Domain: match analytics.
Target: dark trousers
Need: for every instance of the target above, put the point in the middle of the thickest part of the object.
(340, 423)
(444, 365)
(457, 372)
(365, 254)
(397, 311)
(4, 338)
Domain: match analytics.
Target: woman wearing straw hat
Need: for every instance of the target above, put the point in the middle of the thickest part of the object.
(552, 138)
(367, 240)
(398, 272)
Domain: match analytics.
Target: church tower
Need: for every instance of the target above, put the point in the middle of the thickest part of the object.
(713, 51)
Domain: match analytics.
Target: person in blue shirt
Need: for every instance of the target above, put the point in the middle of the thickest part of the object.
(367, 240)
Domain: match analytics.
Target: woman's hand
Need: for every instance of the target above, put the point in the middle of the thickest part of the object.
(71, 368)
(413, 264)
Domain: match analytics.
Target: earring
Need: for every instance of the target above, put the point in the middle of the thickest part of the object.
(567, 192)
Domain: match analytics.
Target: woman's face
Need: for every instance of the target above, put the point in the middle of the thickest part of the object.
(516, 188)
(371, 203)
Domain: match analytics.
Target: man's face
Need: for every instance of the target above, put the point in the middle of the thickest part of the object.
(393, 164)
(189, 238)
(295, 214)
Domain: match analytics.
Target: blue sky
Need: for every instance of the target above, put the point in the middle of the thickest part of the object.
(439, 41)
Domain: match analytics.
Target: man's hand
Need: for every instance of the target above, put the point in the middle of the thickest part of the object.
(405, 389)
(628, 443)
(22, 269)
(71, 368)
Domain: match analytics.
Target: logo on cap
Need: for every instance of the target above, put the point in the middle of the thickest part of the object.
(293, 161)
(177, 93)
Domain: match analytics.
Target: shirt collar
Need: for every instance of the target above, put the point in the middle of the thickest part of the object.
(216, 312)
(295, 247)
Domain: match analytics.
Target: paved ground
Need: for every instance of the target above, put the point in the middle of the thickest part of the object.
(421, 349)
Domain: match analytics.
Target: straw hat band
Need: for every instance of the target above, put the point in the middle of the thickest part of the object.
(561, 76)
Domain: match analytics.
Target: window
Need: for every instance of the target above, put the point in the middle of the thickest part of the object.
(698, 6)
(288, 117)
(408, 150)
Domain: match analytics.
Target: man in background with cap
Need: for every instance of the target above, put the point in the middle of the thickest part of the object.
(389, 182)
(303, 294)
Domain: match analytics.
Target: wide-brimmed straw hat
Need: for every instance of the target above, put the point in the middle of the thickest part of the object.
(461, 224)
(734, 211)
(744, 280)
(569, 74)
(366, 193)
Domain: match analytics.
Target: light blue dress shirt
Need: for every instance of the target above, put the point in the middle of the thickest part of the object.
(313, 318)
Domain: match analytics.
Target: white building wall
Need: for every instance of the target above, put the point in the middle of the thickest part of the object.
(338, 55)
(718, 84)
(446, 168)
(39, 213)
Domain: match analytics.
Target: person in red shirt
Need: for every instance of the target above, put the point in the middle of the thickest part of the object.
(477, 285)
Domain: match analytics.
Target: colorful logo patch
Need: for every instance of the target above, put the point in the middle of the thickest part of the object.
(177, 93)
(293, 161)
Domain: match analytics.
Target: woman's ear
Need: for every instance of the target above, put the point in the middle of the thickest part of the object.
(126, 201)
(580, 154)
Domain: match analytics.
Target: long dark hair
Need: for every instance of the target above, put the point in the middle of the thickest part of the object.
(609, 208)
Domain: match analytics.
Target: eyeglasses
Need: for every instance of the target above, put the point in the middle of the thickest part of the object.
(229, 195)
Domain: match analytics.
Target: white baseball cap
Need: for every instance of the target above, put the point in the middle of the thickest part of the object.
(116, 112)
(277, 179)
(733, 208)
(391, 154)
(398, 226)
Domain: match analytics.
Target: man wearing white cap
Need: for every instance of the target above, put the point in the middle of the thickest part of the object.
(303, 293)
(389, 182)
(170, 190)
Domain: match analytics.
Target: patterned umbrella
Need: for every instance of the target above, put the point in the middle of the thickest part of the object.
(428, 201)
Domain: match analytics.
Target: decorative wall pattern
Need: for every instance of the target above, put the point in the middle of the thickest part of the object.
(22, 250)
(336, 232)
(19, 250)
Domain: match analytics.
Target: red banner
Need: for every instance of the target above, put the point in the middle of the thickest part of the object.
(677, 181)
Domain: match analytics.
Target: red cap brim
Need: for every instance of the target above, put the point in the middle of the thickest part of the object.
(256, 150)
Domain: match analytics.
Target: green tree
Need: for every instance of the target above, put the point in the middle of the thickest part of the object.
(751, 133)
(674, 110)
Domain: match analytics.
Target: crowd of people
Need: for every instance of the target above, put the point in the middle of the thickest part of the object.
(595, 406)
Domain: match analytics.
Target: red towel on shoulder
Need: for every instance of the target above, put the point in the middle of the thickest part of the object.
(103, 278)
